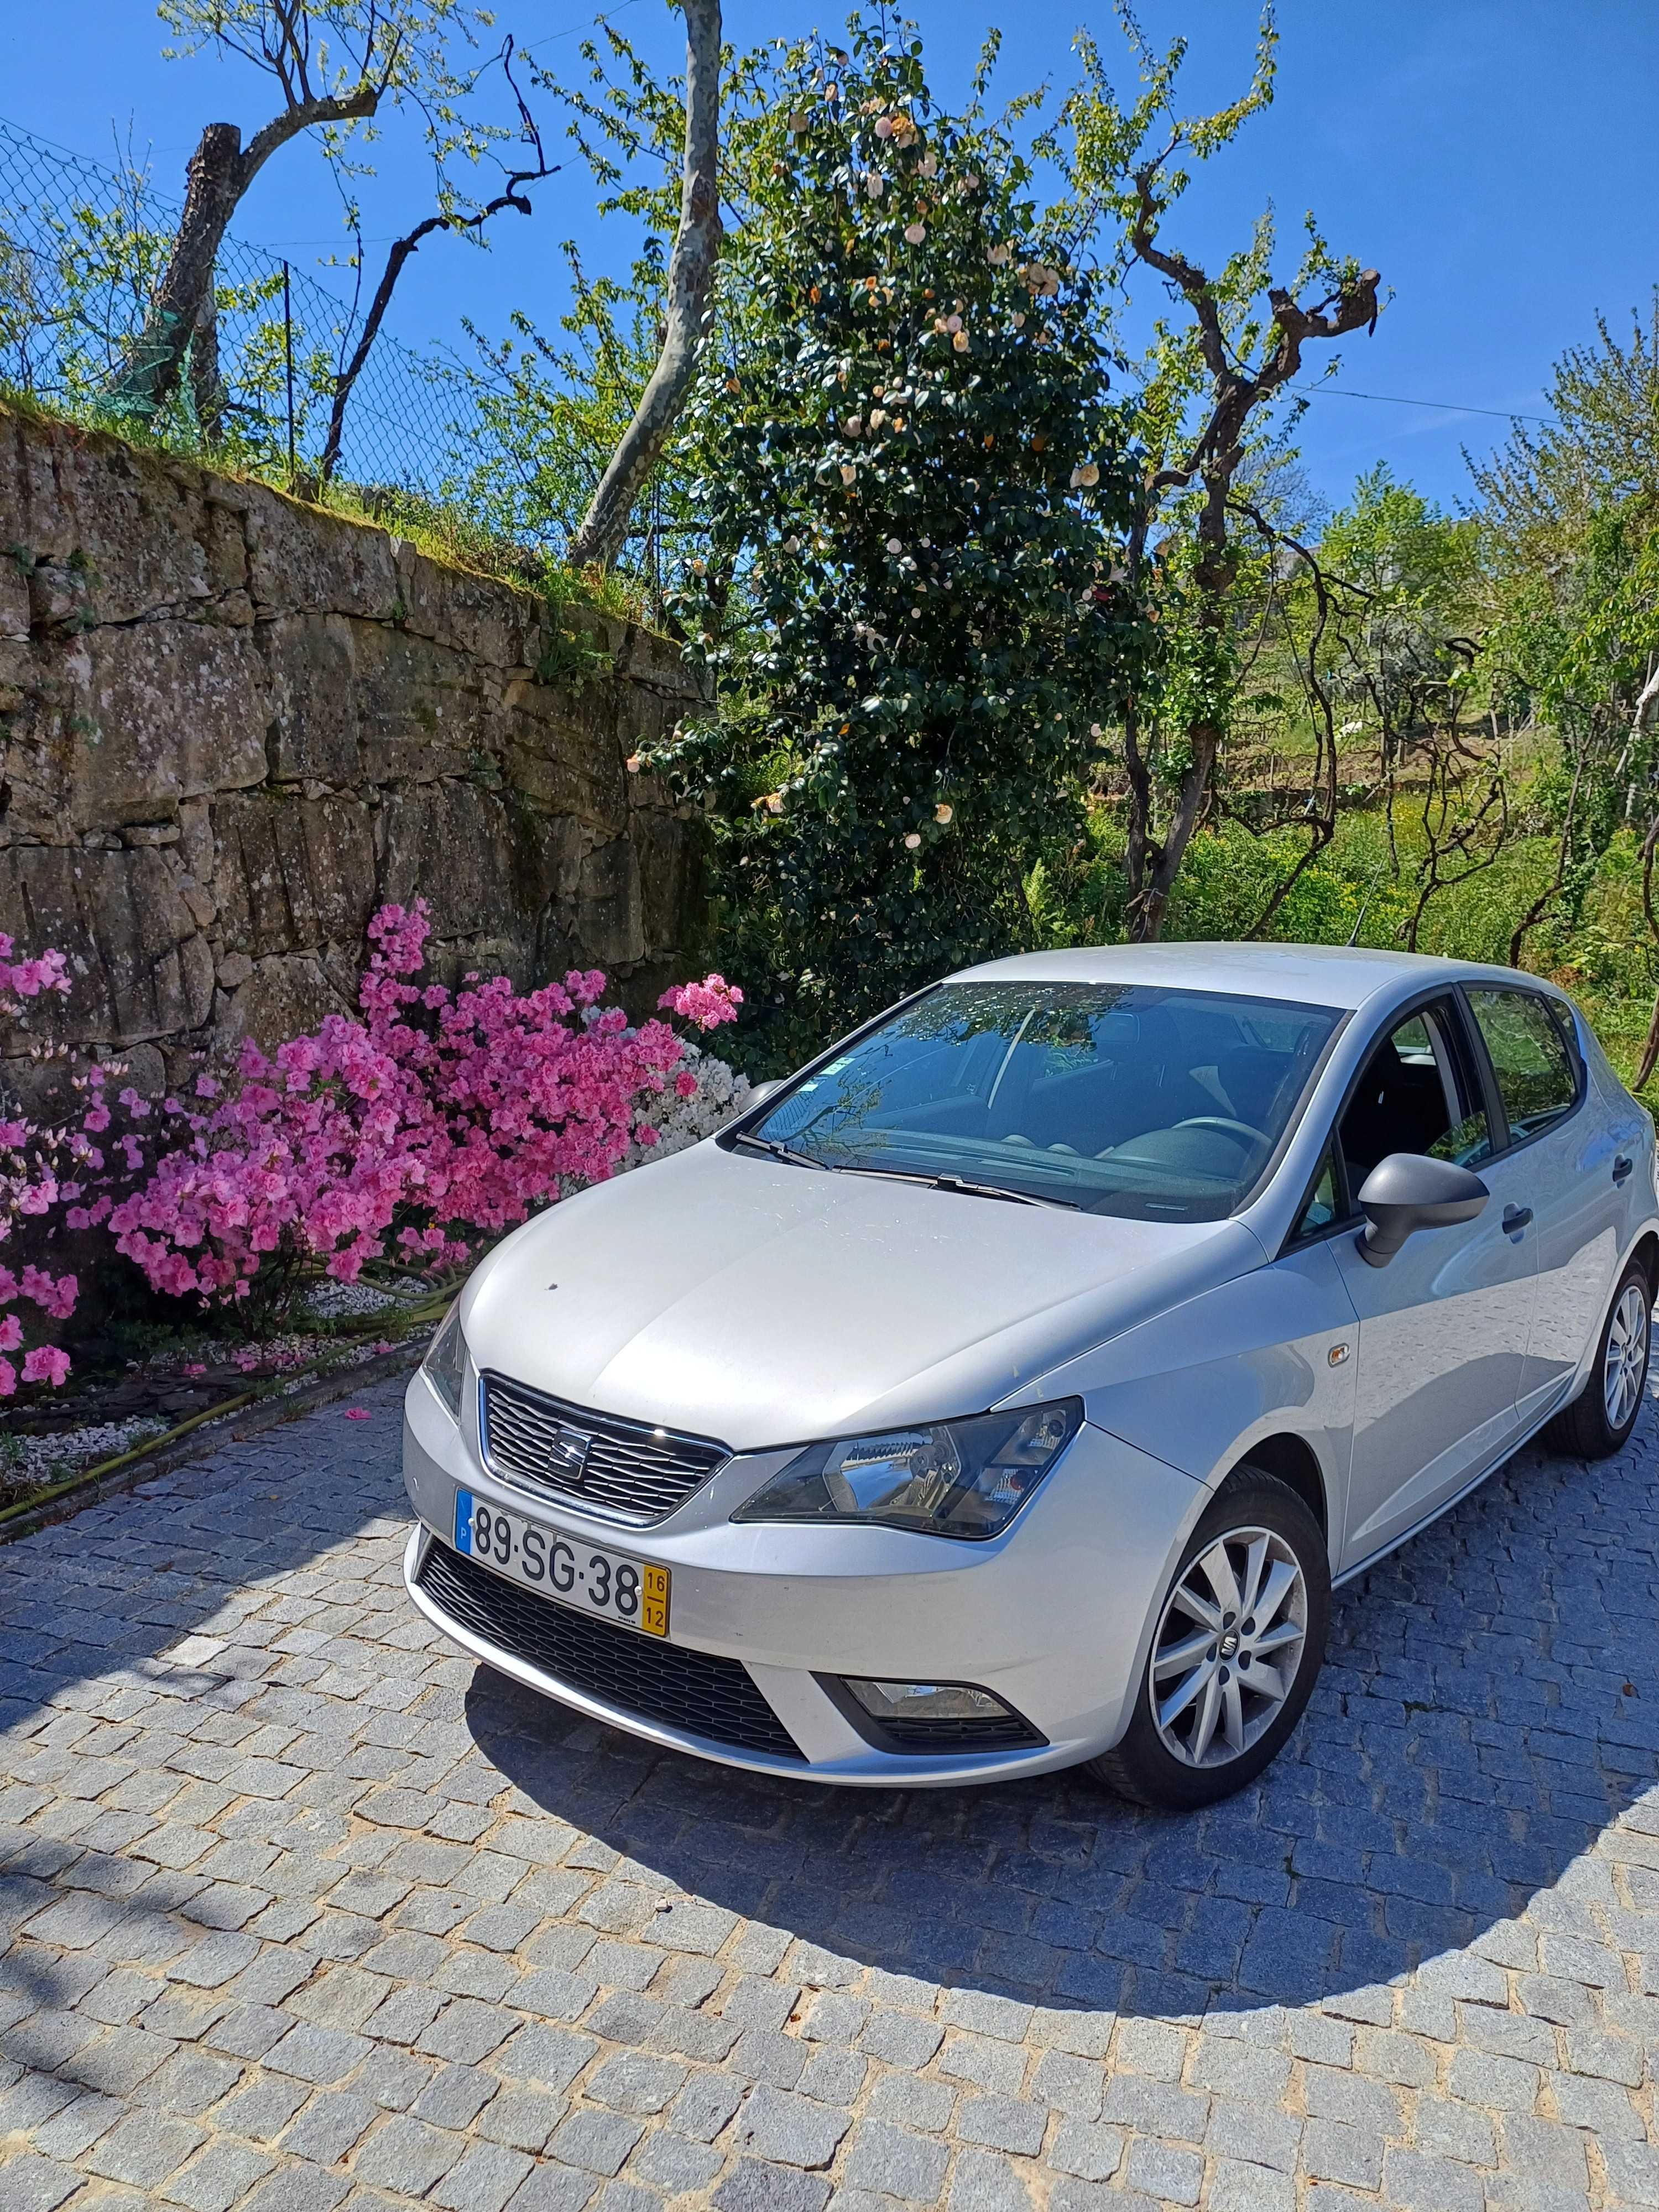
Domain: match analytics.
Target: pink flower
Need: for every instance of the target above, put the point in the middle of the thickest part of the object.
(432, 1117)
(11, 1333)
(45, 1364)
(358, 1413)
(708, 1004)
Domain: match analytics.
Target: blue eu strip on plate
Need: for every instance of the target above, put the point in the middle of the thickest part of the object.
(464, 1520)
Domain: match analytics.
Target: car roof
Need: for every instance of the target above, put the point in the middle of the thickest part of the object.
(1339, 975)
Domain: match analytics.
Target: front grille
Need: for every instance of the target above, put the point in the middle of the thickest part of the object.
(705, 1696)
(623, 1469)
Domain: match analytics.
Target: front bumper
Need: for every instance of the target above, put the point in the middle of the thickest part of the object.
(1053, 1617)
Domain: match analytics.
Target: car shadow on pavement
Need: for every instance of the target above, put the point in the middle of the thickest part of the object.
(1490, 1705)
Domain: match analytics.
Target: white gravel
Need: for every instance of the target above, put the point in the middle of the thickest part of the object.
(31, 1461)
(332, 1300)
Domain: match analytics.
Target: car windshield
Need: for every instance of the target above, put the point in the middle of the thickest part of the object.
(1114, 1098)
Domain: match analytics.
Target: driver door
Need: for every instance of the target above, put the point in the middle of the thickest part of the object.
(1443, 1327)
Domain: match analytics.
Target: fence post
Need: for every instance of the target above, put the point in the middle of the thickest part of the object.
(287, 355)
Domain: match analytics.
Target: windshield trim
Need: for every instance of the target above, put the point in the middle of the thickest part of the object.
(726, 1139)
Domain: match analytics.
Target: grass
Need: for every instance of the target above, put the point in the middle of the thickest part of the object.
(1595, 946)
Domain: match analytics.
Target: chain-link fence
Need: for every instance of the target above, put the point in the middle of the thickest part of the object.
(81, 249)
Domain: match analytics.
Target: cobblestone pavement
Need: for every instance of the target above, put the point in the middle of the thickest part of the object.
(304, 1911)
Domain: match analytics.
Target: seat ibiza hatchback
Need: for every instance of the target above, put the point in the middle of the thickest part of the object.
(1008, 1389)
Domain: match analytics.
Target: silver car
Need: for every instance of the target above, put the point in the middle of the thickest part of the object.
(1009, 1389)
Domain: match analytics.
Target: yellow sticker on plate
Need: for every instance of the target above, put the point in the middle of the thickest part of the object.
(653, 1601)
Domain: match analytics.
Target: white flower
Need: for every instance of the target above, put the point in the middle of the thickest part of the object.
(632, 763)
(1086, 472)
(1095, 730)
(849, 475)
(853, 426)
(912, 840)
(893, 545)
(928, 166)
(960, 341)
(883, 126)
(914, 232)
(875, 184)
(791, 546)
(953, 322)
(997, 255)
(878, 416)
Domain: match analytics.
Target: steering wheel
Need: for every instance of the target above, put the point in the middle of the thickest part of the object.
(1226, 1125)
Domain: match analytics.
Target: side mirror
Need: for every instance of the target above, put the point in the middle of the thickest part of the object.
(760, 1090)
(1409, 1191)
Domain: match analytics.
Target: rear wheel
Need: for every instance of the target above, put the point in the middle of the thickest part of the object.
(1239, 1643)
(1599, 1421)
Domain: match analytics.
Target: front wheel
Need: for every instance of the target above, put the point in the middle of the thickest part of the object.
(1599, 1421)
(1239, 1643)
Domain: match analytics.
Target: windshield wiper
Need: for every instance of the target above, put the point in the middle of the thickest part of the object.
(958, 1184)
(777, 1151)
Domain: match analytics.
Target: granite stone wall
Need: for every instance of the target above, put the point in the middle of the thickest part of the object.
(231, 725)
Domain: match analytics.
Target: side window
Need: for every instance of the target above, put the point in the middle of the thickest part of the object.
(1415, 1096)
(1536, 1079)
(1321, 1210)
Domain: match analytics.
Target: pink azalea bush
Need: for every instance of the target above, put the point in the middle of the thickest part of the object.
(436, 1117)
(42, 1165)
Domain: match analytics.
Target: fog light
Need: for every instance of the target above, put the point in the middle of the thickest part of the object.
(921, 1717)
(928, 1701)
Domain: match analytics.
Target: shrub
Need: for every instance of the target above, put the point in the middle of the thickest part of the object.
(42, 1164)
(438, 1117)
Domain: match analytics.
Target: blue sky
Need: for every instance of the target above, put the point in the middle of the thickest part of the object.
(1493, 158)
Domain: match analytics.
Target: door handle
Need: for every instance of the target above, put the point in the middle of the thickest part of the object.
(1516, 1218)
(1622, 1167)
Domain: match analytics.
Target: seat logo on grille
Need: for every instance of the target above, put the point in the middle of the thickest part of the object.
(566, 1456)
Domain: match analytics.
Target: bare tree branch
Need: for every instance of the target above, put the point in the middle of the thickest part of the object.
(512, 196)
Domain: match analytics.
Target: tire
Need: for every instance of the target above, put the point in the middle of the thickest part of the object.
(1599, 1421)
(1249, 1507)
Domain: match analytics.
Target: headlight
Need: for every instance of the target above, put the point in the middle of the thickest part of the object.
(964, 1479)
(446, 1363)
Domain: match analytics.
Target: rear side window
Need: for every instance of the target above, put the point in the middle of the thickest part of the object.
(1536, 1079)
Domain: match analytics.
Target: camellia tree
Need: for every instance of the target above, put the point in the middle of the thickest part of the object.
(913, 480)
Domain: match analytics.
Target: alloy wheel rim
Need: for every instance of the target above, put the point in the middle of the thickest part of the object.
(1229, 1646)
(1625, 1365)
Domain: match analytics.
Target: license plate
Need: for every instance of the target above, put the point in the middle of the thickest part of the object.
(623, 1590)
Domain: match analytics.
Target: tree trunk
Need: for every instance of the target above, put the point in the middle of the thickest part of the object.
(1149, 901)
(215, 183)
(206, 392)
(690, 278)
(219, 173)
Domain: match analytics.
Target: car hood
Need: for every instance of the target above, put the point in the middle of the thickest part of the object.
(764, 1305)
